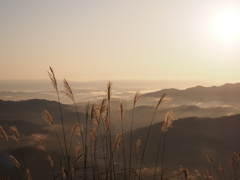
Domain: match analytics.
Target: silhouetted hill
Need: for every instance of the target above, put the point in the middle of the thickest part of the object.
(190, 139)
(227, 93)
(36, 162)
(143, 114)
(26, 128)
(31, 110)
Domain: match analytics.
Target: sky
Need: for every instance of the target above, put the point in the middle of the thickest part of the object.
(85, 40)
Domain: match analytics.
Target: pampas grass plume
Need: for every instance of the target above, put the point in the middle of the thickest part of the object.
(15, 135)
(4, 135)
(47, 117)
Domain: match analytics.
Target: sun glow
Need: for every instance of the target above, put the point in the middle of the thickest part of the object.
(226, 25)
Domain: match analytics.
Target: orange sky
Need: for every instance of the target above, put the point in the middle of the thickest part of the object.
(98, 40)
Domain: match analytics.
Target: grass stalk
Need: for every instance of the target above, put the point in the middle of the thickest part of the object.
(135, 99)
(161, 100)
(158, 151)
(16, 137)
(48, 118)
(215, 167)
(167, 123)
(123, 146)
(54, 83)
(87, 108)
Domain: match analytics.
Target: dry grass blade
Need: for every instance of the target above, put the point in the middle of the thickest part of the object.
(137, 96)
(4, 135)
(47, 117)
(52, 78)
(15, 135)
(168, 121)
(68, 91)
(15, 162)
(162, 99)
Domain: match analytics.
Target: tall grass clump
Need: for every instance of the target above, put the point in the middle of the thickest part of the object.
(55, 85)
(100, 153)
(161, 100)
(5, 137)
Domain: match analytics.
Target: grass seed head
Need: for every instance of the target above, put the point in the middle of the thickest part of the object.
(93, 136)
(4, 135)
(78, 153)
(221, 168)
(138, 145)
(118, 140)
(76, 129)
(121, 110)
(50, 160)
(162, 99)
(15, 162)
(198, 173)
(28, 175)
(52, 78)
(209, 159)
(63, 172)
(47, 117)
(106, 121)
(103, 107)
(95, 114)
(137, 96)
(109, 90)
(168, 121)
(41, 145)
(15, 135)
(68, 90)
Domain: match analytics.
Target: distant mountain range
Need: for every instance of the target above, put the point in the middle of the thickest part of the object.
(227, 94)
(30, 110)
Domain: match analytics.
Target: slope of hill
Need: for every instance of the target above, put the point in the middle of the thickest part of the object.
(215, 95)
(190, 139)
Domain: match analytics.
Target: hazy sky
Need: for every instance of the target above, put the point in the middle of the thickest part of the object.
(125, 39)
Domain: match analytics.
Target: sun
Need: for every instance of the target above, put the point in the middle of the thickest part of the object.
(226, 25)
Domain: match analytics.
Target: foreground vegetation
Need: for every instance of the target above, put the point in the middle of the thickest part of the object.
(99, 154)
